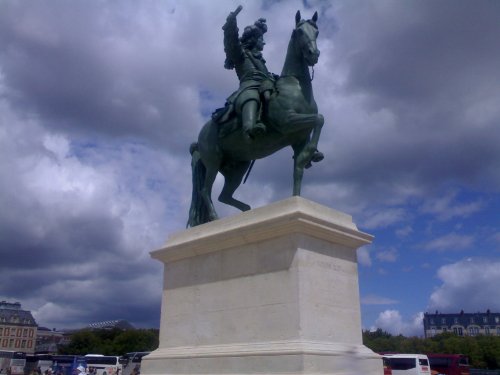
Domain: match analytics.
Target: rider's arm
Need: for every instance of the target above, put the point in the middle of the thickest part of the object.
(232, 46)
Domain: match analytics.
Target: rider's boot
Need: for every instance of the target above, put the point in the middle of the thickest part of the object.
(251, 126)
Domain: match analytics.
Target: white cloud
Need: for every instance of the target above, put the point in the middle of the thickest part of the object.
(451, 241)
(449, 207)
(364, 256)
(384, 218)
(469, 285)
(404, 232)
(390, 255)
(391, 321)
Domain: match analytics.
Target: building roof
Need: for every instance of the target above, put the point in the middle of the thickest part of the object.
(462, 318)
(110, 324)
(12, 314)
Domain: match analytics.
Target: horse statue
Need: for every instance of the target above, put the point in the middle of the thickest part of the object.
(290, 116)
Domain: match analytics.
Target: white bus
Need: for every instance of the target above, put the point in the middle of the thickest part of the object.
(409, 364)
(37, 361)
(12, 362)
(103, 364)
(131, 362)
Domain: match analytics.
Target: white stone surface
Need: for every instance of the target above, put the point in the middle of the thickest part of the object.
(270, 291)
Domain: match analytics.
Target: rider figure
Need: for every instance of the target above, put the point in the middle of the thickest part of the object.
(245, 56)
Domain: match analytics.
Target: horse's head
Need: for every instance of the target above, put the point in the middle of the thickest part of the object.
(305, 34)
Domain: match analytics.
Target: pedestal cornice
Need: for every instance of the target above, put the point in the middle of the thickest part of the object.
(292, 215)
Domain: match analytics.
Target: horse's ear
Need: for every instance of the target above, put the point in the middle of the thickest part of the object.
(297, 17)
(315, 17)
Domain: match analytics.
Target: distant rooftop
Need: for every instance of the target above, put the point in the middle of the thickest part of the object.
(110, 324)
(11, 313)
(10, 305)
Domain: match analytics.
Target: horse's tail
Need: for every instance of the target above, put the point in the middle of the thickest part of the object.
(198, 212)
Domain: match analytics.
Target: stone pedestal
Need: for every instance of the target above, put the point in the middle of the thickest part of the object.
(270, 291)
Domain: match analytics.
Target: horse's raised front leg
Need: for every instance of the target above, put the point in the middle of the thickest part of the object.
(298, 121)
(233, 175)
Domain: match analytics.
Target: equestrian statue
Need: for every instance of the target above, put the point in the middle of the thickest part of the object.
(266, 113)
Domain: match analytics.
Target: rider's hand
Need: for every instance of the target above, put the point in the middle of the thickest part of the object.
(232, 15)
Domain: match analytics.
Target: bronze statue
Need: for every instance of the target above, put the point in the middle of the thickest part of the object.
(266, 114)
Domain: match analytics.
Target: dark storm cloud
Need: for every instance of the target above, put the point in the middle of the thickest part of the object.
(60, 239)
(424, 73)
(435, 52)
(95, 67)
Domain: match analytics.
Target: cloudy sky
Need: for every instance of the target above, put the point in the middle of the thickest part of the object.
(99, 101)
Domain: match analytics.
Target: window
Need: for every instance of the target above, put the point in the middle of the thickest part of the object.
(473, 331)
(30, 343)
(458, 331)
(497, 319)
(485, 319)
(432, 321)
(4, 342)
(31, 333)
(472, 320)
(487, 330)
(1, 331)
(423, 362)
(23, 344)
(7, 331)
(455, 320)
(11, 343)
(444, 329)
(25, 332)
(18, 343)
(19, 332)
(402, 363)
(443, 320)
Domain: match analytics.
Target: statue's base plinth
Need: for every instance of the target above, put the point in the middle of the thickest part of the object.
(270, 291)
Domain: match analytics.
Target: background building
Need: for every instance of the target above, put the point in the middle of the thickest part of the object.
(462, 324)
(18, 328)
(48, 341)
(112, 324)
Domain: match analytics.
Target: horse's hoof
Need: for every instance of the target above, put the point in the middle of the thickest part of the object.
(248, 136)
(258, 130)
(317, 156)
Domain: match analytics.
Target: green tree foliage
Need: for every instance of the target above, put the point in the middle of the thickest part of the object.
(483, 351)
(111, 342)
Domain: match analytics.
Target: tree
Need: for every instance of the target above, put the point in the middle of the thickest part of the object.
(111, 342)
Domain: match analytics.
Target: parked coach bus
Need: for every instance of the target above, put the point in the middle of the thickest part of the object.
(131, 362)
(35, 361)
(65, 364)
(449, 364)
(13, 362)
(103, 364)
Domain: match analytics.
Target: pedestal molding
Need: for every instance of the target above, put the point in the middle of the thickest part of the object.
(293, 215)
(274, 348)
